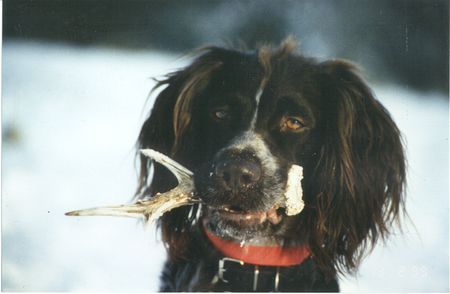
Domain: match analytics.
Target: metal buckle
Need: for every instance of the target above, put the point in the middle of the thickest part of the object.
(222, 268)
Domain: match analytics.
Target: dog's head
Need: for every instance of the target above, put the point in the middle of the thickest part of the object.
(239, 121)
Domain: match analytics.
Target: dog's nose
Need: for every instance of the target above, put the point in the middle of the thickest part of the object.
(237, 174)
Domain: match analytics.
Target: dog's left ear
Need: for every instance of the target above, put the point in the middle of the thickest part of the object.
(361, 170)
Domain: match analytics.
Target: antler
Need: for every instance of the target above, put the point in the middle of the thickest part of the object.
(153, 208)
(294, 192)
(183, 194)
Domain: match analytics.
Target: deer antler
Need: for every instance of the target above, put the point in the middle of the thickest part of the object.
(156, 206)
(183, 194)
(294, 193)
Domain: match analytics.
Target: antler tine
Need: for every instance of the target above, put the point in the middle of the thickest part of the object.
(179, 171)
(132, 210)
(153, 208)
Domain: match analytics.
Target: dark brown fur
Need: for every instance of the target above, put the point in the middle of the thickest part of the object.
(354, 166)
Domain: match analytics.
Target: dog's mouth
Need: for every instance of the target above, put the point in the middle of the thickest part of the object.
(253, 226)
(249, 218)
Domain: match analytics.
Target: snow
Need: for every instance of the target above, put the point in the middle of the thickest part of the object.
(70, 118)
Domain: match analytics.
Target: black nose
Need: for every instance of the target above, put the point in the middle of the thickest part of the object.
(238, 174)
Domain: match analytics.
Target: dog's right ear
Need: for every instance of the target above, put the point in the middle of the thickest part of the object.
(170, 117)
(156, 132)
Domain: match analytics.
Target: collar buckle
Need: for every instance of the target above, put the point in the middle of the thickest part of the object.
(222, 269)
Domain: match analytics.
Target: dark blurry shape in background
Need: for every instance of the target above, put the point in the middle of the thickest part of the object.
(402, 41)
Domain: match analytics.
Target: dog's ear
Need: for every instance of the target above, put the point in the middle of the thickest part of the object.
(360, 171)
(170, 117)
(157, 133)
(167, 130)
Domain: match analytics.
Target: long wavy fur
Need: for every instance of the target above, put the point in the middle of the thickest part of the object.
(357, 179)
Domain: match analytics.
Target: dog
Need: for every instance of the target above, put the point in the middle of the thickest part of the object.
(239, 121)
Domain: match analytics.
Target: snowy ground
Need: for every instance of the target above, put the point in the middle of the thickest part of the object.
(70, 119)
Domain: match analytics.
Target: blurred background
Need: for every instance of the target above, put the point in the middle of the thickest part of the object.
(76, 76)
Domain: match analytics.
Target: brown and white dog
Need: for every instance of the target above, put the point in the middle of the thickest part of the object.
(239, 121)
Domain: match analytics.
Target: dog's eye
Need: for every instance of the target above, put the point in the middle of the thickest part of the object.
(220, 114)
(292, 124)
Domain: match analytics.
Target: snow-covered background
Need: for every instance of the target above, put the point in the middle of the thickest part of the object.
(70, 117)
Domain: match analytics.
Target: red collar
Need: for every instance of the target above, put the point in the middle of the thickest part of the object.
(260, 255)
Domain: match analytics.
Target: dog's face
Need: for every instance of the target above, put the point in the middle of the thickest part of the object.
(239, 121)
(253, 129)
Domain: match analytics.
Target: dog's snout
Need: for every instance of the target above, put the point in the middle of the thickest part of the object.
(237, 174)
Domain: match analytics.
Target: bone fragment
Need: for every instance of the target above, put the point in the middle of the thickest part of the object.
(155, 207)
(294, 192)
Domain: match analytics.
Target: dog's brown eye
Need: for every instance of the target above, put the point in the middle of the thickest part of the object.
(292, 124)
